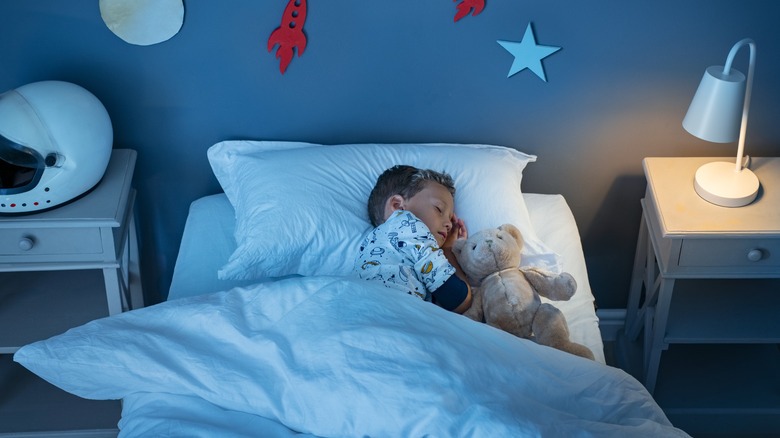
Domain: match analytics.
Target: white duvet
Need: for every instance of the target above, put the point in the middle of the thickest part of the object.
(333, 356)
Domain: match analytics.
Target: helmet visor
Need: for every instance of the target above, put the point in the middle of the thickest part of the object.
(20, 167)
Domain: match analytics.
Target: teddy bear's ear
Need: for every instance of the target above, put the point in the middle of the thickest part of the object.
(514, 232)
(457, 246)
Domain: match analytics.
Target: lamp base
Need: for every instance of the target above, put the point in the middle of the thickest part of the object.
(721, 184)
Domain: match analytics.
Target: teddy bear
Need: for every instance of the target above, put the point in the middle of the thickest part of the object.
(507, 297)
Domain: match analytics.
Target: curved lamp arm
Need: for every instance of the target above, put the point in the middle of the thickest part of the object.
(748, 90)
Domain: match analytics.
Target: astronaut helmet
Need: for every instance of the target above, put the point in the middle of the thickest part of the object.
(55, 143)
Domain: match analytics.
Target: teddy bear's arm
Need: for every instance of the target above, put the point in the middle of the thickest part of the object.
(475, 310)
(558, 287)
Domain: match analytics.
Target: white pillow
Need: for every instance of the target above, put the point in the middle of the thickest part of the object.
(301, 208)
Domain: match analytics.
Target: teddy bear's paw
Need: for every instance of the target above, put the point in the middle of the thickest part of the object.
(475, 313)
(558, 287)
(550, 329)
(578, 350)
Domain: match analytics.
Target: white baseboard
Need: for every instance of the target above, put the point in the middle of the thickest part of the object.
(63, 434)
(611, 322)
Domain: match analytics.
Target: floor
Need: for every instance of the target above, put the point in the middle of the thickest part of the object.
(705, 428)
(29, 406)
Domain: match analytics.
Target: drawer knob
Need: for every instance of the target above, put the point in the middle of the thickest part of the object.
(755, 255)
(26, 243)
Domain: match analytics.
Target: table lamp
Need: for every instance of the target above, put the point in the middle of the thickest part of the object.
(719, 113)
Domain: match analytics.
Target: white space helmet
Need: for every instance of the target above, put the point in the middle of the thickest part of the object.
(55, 143)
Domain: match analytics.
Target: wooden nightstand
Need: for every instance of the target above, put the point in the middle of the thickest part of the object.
(729, 317)
(59, 269)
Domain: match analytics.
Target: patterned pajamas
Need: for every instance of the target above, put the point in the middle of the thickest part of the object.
(403, 254)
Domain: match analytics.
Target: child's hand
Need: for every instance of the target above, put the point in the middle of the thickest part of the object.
(458, 231)
(459, 226)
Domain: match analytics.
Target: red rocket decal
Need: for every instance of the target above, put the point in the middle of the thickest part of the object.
(465, 6)
(290, 33)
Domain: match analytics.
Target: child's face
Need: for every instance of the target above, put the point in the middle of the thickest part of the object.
(434, 206)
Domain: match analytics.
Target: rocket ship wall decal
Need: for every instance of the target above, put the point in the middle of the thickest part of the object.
(290, 34)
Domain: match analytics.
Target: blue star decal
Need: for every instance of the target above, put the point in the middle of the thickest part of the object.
(528, 54)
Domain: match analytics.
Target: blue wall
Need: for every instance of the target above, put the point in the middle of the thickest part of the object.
(402, 71)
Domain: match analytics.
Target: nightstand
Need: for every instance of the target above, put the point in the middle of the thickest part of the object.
(703, 295)
(59, 269)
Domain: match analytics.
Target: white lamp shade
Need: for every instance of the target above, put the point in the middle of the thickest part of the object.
(715, 113)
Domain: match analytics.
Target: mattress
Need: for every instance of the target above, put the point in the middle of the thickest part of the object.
(208, 242)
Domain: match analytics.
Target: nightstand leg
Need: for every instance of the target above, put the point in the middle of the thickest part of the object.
(655, 342)
(112, 279)
(633, 325)
(134, 268)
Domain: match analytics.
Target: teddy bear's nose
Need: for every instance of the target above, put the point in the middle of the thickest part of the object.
(489, 242)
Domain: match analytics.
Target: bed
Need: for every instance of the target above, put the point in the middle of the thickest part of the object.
(265, 333)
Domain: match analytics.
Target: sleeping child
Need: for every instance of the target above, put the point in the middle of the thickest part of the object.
(411, 247)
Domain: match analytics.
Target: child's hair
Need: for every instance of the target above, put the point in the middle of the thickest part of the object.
(402, 180)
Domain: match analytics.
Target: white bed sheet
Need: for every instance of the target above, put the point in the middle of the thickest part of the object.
(208, 242)
(155, 414)
(336, 356)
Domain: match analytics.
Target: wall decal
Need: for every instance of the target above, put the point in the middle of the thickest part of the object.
(528, 54)
(143, 22)
(466, 6)
(290, 34)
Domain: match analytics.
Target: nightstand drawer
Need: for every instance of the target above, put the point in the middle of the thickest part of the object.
(50, 241)
(730, 252)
